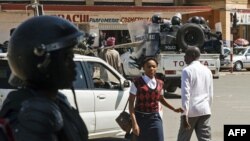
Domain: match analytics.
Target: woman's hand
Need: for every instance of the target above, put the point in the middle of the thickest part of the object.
(179, 110)
(136, 129)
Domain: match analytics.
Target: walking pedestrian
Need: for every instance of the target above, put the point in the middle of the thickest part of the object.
(145, 94)
(196, 97)
(112, 56)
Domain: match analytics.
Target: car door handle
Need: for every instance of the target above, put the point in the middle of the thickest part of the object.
(101, 96)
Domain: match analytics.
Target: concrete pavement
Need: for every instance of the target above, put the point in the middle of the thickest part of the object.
(231, 106)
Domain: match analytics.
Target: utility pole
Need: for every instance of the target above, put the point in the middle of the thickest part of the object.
(36, 7)
(234, 20)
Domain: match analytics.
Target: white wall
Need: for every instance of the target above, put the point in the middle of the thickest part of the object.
(10, 20)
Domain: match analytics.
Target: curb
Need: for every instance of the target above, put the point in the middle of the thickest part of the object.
(234, 73)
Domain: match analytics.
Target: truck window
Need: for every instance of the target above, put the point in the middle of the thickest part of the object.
(80, 82)
(103, 77)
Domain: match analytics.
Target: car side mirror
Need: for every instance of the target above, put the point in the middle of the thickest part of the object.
(126, 84)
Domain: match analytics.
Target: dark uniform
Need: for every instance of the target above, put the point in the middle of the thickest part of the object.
(40, 55)
(34, 117)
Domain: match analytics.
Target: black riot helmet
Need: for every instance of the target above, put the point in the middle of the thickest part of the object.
(91, 38)
(156, 19)
(203, 20)
(175, 20)
(40, 52)
(195, 19)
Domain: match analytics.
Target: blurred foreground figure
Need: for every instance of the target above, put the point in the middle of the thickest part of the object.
(40, 54)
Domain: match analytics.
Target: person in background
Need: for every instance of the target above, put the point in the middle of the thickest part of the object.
(40, 54)
(85, 47)
(196, 97)
(4, 46)
(145, 94)
(111, 56)
(1, 48)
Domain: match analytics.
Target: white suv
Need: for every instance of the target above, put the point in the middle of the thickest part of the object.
(101, 93)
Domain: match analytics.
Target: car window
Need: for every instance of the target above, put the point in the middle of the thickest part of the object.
(102, 77)
(80, 82)
(226, 51)
(239, 51)
(4, 75)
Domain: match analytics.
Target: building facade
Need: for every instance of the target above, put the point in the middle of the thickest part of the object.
(106, 18)
(225, 9)
(111, 17)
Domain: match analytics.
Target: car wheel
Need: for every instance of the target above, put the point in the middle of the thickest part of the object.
(238, 66)
(190, 35)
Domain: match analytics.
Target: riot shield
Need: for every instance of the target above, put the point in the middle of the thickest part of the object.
(138, 32)
(149, 33)
(153, 39)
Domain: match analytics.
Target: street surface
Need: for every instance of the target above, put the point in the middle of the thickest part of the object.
(231, 105)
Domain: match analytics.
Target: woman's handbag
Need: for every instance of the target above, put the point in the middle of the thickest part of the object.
(124, 120)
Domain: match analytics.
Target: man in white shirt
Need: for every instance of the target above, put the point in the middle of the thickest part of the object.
(196, 96)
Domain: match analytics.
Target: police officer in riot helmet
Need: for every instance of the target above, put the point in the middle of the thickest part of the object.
(195, 19)
(156, 19)
(176, 20)
(40, 53)
(91, 39)
(203, 20)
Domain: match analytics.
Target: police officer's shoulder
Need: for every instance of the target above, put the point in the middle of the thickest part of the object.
(14, 100)
(63, 99)
(18, 96)
(20, 93)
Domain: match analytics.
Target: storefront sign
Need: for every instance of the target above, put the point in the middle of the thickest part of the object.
(104, 20)
(133, 19)
(83, 18)
(80, 18)
(243, 18)
(75, 18)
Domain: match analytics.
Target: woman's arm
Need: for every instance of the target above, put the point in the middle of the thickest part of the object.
(135, 127)
(165, 103)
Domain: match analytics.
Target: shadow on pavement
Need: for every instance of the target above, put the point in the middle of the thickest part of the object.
(171, 95)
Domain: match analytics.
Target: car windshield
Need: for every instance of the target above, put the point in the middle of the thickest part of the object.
(239, 51)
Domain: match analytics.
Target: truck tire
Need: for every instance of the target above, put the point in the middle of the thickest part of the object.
(190, 34)
(171, 89)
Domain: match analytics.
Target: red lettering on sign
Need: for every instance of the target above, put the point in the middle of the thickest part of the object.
(132, 19)
(75, 17)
